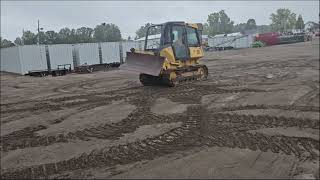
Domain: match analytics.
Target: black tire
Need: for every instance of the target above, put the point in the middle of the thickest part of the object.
(206, 71)
(205, 75)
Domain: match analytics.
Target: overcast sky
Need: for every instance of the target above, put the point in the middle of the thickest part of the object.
(130, 15)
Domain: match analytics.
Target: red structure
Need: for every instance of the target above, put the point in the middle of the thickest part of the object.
(270, 38)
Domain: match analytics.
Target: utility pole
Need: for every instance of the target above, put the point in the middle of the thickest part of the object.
(39, 28)
(38, 33)
(22, 37)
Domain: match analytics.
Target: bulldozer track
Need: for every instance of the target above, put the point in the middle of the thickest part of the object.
(174, 140)
(288, 145)
(60, 103)
(184, 90)
(26, 137)
(265, 120)
(83, 85)
(116, 93)
(264, 106)
(189, 135)
(308, 97)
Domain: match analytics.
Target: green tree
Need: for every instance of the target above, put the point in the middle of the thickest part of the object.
(129, 38)
(67, 36)
(5, 43)
(241, 27)
(42, 38)
(107, 33)
(264, 28)
(283, 20)
(300, 23)
(219, 23)
(84, 35)
(251, 24)
(51, 37)
(102, 33)
(205, 29)
(29, 38)
(142, 31)
(18, 41)
(64, 35)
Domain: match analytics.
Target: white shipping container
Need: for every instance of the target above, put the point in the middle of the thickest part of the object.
(32, 58)
(10, 60)
(233, 41)
(22, 59)
(87, 53)
(60, 54)
(110, 52)
(127, 45)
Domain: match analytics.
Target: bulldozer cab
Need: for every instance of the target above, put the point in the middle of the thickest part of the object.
(178, 35)
(166, 46)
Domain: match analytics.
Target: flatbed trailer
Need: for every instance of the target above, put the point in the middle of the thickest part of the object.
(62, 70)
(96, 67)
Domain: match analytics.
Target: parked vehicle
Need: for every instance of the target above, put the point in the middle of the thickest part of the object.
(271, 38)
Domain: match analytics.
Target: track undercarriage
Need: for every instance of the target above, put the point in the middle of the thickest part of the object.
(174, 77)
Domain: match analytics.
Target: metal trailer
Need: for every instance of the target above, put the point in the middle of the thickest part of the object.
(288, 39)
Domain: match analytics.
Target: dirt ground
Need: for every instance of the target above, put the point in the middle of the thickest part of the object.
(257, 116)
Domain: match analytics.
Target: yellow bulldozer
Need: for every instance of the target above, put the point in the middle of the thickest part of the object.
(170, 56)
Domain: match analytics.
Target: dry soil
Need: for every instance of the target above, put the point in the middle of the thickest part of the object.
(257, 116)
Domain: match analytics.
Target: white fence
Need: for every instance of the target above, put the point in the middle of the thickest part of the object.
(22, 59)
(231, 41)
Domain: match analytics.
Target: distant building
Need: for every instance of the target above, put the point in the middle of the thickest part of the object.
(204, 39)
(231, 40)
(311, 27)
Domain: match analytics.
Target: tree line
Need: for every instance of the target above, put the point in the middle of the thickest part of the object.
(220, 23)
(217, 23)
(101, 33)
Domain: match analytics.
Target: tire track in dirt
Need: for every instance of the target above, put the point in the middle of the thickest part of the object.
(183, 138)
(288, 145)
(311, 95)
(60, 103)
(106, 131)
(44, 103)
(265, 120)
(171, 141)
(265, 106)
(81, 85)
(138, 117)
(178, 93)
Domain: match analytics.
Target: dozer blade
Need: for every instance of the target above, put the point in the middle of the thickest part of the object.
(143, 63)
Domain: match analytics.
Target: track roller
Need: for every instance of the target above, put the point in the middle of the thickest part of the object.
(175, 77)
